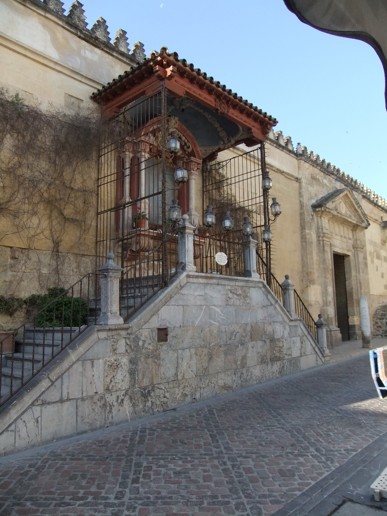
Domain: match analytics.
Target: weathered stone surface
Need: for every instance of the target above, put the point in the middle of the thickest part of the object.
(102, 349)
(28, 428)
(126, 373)
(170, 316)
(92, 377)
(148, 370)
(58, 419)
(116, 373)
(202, 360)
(52, 394)
(91, 412)
(215, 359)
(117, 407)
(7, 439)
(72, 382)
(197, 315)
(238, 296)
(186, 360)
(168, 365)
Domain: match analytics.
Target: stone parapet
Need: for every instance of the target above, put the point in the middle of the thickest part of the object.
(328, 168)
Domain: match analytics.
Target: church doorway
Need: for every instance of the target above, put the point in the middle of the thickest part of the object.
(339, 263)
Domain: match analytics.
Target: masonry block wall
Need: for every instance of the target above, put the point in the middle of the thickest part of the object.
(203, 336)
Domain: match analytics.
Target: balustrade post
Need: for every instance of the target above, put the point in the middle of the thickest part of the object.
(322, 336)
(110, 292)
(250, 257)
(186, 245)
(288, 296)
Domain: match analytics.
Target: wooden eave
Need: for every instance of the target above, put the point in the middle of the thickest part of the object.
(182, 79)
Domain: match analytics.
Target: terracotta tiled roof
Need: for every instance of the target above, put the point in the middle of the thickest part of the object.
(164, 60)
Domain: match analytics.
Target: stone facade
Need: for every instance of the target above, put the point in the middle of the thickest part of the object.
(328, 218)
(335, 223)
(205, 335)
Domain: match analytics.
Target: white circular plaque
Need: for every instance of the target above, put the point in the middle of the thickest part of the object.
(221, 258)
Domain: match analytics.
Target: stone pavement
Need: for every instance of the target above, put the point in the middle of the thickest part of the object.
(311, 443)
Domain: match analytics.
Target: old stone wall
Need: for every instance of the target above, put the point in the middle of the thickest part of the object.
(203, 336)
(300, 179)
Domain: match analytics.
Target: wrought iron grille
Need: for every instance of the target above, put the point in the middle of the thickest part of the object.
(135, 187)
(232, 187)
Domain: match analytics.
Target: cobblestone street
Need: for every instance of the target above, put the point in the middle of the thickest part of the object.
(285, 446)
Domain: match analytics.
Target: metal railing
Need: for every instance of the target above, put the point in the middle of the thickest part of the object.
(49, 330)
(301, 310)
(304, 314)
(151, 262)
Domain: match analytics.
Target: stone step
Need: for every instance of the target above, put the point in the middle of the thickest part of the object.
(28, 358)
(49, 335)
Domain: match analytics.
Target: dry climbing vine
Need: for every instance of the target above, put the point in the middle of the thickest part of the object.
(48, 163)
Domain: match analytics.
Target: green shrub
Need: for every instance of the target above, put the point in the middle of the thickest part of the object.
(10, 305)
(56, 309)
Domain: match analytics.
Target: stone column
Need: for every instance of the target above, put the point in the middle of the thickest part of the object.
(193, 166)
(322, 336)
(250, 257)
(365, 322)
(186, 245)
(143, 148)
(110, 292)
(288, 296)
(128, 215)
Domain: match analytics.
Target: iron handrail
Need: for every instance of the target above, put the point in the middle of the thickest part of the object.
(37, 344)
(300, 308)
(146, 275)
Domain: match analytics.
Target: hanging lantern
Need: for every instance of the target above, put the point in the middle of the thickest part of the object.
(228, 223)
(173, 144)
(267, 183)
(181, 175)
(209, 217)
(275, 208)
(266, 235)
(247, 228)
(174, 212)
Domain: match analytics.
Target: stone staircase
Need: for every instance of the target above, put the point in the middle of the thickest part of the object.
(37, 346)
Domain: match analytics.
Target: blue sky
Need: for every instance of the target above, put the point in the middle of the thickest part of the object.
(326, 92)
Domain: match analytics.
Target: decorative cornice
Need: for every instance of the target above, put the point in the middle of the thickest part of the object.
(302, 152)
(342, 203)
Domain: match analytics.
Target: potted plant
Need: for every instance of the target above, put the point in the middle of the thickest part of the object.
(139, 219)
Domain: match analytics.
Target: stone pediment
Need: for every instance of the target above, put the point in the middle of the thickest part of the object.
(342, 204)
